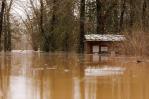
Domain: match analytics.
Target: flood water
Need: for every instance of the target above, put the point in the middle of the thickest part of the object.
(28, 75)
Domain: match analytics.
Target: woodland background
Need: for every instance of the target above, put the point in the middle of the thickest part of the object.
(60, 25)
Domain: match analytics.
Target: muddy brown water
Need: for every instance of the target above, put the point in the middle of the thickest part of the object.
(71, 76)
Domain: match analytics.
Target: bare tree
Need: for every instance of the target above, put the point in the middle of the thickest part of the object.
(144, 14)
(123, 9)
(1, 19)
(7, 32)
(82, 22)
(102, 15)
(132, 15)
(100, 27)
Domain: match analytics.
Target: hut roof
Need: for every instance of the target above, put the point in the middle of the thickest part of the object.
(104, 37)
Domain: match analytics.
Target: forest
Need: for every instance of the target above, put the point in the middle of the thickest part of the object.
(60, 25)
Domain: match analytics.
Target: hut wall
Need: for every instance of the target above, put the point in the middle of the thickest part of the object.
(112, 46)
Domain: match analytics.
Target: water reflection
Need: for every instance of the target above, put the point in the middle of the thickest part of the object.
(104, 71)
(31, 75)
(5, 68)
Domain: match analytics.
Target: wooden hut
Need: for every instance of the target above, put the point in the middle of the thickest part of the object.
(99, 44)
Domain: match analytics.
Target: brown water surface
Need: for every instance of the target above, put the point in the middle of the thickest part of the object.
(28, 75)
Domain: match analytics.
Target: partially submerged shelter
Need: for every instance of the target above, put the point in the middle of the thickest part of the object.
(106, 43)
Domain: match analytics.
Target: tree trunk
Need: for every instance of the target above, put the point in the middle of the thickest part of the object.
(100, 25)
(132, 16)
(7, 32)
(82, 23)
(1, 20)
(144, 12)
(9, 27)
(122, 15)
(41, 26)
(53, 25)
(41, 17)
(45, 42)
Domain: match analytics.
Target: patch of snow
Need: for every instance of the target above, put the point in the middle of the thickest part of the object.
(105, 37)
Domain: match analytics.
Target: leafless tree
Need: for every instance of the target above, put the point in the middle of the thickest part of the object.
(3, 5)
(82, 23)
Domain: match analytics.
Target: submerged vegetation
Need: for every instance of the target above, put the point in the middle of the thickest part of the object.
(60, 25)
